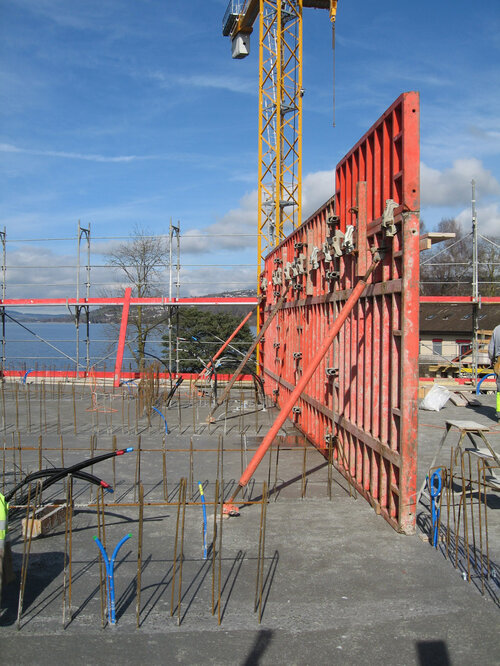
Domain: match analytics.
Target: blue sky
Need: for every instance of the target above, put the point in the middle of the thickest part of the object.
(119, 113)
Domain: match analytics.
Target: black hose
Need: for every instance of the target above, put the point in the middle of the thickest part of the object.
(73, 469)
(34, 476)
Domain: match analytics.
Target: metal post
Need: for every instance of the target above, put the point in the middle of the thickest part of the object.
(170, 239)
(3, 238)
(476, 304)
(177, 230)
(82, 232)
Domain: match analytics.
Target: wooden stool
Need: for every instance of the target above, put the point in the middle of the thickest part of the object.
(466, 428)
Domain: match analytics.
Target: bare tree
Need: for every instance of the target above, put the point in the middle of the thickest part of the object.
(447, 268)
(143, 260)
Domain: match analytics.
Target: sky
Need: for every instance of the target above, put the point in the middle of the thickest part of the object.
(124, 113)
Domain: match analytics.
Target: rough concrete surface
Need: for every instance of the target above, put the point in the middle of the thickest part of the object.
(339, 584)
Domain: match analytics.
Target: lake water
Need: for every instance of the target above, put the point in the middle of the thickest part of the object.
(24, 349)
(56, 350)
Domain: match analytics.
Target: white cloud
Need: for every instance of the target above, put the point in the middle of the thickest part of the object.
(452, 186)
(488, 219)
(235, 84)
(213, 280)
(89, 157)
(317, 188)
(237, 229)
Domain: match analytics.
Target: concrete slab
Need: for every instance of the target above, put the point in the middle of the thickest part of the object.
(340, 586)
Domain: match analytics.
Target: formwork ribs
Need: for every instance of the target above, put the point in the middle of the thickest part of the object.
(362, 396)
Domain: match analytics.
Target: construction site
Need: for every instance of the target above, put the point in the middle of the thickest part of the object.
(302, 508)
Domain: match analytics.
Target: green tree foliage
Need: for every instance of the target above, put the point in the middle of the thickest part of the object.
(198, 338)
(446, 269)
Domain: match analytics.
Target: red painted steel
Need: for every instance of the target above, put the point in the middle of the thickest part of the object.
(155, 300)
(364, 393)
(122, 336)
(287, 407)
(485, 300)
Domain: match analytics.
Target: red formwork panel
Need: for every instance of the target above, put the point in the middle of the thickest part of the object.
(361, 401)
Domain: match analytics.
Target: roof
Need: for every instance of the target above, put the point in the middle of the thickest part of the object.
(456, 318)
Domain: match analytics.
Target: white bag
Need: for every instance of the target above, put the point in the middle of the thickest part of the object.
(436, 398)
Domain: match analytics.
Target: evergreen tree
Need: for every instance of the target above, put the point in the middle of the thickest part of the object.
(199, 336)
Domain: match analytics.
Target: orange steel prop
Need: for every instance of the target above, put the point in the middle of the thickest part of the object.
(295, 395)
(121, 339)
(231, 337)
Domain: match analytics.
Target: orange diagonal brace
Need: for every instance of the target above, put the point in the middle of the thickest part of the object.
(308, 373)
(228, 341)
(123, 335)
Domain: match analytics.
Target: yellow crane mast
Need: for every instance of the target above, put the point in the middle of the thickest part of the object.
(280, 108)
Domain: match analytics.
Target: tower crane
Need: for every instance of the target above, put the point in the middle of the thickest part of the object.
(280, 107)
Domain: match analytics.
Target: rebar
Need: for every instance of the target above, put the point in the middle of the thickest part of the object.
(304, 478)
(219, 577)
(102, 579)
(176, 541)
(330, 468)
(139, 554)
(214, 541)
(28, 407)
(40, 451)
(58, 409)
(68, 541)
(74, 409)
(181, 554)
(27, 546)
(259, 583)
(164, 469)
(137, 468)
(191, 469)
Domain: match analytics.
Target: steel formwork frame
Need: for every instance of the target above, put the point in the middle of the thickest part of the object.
(361, 401)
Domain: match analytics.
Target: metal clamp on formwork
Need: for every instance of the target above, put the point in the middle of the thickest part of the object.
(278, 260)
(388, 218)
(296, 410)
(297, 356)
(313, 259)
(277, 277)
(329, 437)
(378, 253)
(348, 244)
(337, 243)
(299, 246)
(326, 250)
(301, 264)
(333, 221)
(276, 391)
(332, 372)
(288, 271)
(332, 275)
(263, 283)
(276, 344)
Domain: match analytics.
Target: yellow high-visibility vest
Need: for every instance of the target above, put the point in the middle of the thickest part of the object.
(4, 516)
